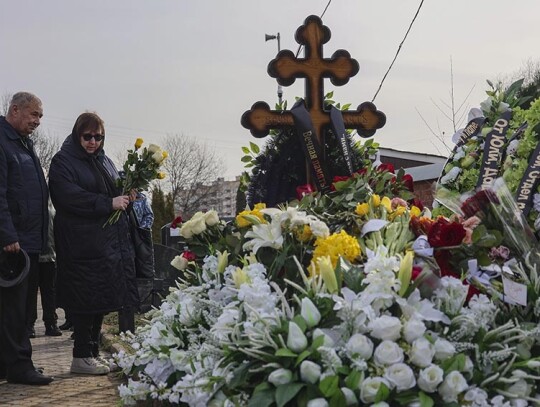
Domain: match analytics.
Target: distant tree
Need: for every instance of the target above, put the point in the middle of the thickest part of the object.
(163, 208)
(190, 167)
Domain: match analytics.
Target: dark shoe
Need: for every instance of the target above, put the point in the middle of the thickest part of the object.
(66, 325)
(31, 332)
(32, 377)
(52, 330)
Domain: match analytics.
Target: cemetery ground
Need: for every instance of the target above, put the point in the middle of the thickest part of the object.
(54, 355)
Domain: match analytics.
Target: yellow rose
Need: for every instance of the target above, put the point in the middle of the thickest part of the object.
(375, 200)
(242, 222)
(415, 211)
(138, 143)
(164, 154)
(362, 209)
(161, 175)
(259, 206)
(387, 203)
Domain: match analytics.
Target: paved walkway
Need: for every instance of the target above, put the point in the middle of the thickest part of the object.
(53, 354)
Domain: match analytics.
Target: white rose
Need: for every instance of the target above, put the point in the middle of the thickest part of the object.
(280, 376)
(454, 384)
(444, 349)
(386, 328)
(401, 376)
(360, 345)
(520, 388)
(476, 396)
(186, 231)
(320, 402)
(152, 148)
(429, 378)
(211, 218)
(413, 329)
(328, 341)
(319, 229)
(350, 397)
(469, 365)
(388, 353)
(310, 372)
(198, 225)
(370, 387)
(310, 313)
(158, 157)
(179, 263)
(296, 340)
(422, 352)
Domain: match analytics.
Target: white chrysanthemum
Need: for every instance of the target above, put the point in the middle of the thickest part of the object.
(482, 310)
(451, 295)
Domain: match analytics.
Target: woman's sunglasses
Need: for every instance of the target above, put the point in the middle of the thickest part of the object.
(97, 137)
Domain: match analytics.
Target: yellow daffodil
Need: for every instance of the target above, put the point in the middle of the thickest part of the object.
(415, 211)
(387, 203)
(326, 270)
(375, 200)
(161, 175)
(138, 143)
(240, 277)
(405, 271)
(362, 209)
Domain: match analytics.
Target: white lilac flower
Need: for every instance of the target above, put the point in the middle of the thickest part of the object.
(225, 323)
(476, 396)
(482, 310)
(190, 311)
(388, 353)
(330, 360)
(452, 386)
(280, 376)
(296, 340)
(264, 235)
(413, 329)
(310, 313)
(401, 376)
(370, 387)
(421, 352)
(386, 328)
(360, 346)
(450, 176)
(429, 378)
(310, 371)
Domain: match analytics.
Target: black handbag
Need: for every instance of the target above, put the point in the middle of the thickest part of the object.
(144, 248)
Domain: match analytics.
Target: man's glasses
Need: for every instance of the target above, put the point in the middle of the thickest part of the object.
(97, 137)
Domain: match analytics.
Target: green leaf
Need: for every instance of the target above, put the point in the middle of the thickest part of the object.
(456, 362)
(338, 399)
(301, 357)
(254, 147)
(317, 343)
(246, 159)
(245, 150)
(425, 400)
(240, 375)
(329, 386)
(353, 380)
(285, 352)
(298, 320)
(263, 398)
(286, 392)
(382, 394)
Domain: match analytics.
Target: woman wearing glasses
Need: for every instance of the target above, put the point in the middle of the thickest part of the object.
(96, 270)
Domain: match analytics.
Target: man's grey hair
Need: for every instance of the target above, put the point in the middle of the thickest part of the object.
(23, 99)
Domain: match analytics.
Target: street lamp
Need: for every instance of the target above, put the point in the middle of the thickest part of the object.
(268, 37)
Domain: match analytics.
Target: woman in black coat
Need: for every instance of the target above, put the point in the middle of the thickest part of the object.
(96, 270)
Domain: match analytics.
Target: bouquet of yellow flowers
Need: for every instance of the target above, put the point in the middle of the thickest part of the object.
(141, 167)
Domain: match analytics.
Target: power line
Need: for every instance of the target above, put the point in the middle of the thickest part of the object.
(398, 50)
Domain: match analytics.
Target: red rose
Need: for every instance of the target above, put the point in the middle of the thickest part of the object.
(176, 222)
(386, 167)
(408, 181)
(302, 190)
(189, 255)
(443, 233)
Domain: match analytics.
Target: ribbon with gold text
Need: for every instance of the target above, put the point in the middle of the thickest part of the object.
(338, 128)
(529, 182)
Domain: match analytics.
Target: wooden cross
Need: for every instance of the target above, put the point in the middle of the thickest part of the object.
(314, 68)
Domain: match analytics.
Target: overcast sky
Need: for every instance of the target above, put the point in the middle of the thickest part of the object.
(192, 67)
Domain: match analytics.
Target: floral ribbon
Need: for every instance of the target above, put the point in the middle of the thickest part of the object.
(493, 148)
(529, 181)
(312, 148)
(338, 128)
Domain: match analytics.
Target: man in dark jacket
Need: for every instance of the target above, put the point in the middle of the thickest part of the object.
(23, 225)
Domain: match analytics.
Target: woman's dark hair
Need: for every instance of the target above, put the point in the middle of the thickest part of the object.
(88, 122)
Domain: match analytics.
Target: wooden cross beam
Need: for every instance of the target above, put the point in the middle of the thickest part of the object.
(260, 119)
